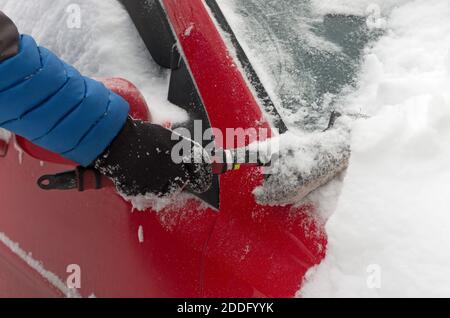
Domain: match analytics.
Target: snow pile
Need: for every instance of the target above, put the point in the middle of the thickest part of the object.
(357, 7)
(158, 204)
(52, 278)
(4, 135)
(390, 225)
(100, 40)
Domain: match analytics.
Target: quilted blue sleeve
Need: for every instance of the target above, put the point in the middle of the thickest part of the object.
(51, 104)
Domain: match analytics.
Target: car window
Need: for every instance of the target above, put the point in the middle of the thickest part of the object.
(305, 60)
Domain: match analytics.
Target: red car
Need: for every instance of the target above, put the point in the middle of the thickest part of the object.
(223, 244)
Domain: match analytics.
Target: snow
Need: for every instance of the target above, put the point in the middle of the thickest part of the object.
(141, 234)
(52, 278)
(158, 204)
(357, 7)
(19, 150)
(305, 162)
(189, 30)
(393, 211)
(106, 45)
(4, 135)
(303, 58)
(143, 202)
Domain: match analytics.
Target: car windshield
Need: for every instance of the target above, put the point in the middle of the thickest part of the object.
(305, 59)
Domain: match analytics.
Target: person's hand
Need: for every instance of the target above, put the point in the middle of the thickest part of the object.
(140, 162)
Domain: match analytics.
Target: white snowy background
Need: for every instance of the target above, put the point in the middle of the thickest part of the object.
(391, 209)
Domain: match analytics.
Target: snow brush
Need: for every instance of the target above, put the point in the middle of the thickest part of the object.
(84, 179)
(302, 164)
(290, 176)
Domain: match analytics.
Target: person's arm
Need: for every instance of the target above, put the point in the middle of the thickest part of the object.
(9, 38)
(48, 102)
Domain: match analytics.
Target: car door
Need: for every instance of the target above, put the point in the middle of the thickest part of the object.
(254, 250)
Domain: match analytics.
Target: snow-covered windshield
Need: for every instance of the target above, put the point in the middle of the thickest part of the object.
(305, 59)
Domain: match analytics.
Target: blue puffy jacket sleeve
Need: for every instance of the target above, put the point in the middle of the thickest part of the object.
(48, 102)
